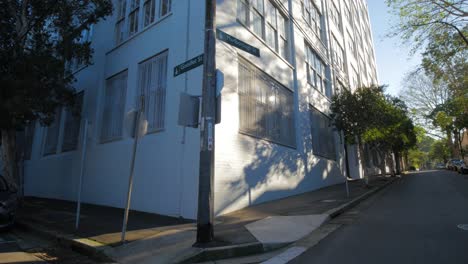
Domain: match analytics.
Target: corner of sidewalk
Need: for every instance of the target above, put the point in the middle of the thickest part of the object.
(84, 246)
(176, 245)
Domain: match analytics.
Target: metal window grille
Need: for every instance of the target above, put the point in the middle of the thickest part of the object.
(52, 134)
(323, 140)
(153, 82)
(265, 106)
(72, 126)
(114, 104)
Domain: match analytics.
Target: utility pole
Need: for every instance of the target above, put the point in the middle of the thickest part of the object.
(206, 167)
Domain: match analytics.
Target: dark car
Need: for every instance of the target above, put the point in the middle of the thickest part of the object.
(462, 167)
(8, 204)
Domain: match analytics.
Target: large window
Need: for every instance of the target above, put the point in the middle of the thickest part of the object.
(313, 17)
(338, 54)
(72, 125)
(323, 139)
(317, 72)
(335, 14)
(265, 106)
(152, 10)
(153, 81)
(52, 134)
(120, 23)
(351, 44)
(114, 104)
(267, 22)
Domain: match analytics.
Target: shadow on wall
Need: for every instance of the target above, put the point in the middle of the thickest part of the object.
(274, 171)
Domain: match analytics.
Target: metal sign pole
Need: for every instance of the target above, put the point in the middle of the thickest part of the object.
(82, 164)
(132, 168)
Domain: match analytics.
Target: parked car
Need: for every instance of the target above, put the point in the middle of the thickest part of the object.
(8, 204)
(451, 164)
(440, 166)
(462, 167)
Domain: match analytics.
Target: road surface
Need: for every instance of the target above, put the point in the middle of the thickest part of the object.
(415, 220)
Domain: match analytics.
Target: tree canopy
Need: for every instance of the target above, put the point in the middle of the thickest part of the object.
(38, 39)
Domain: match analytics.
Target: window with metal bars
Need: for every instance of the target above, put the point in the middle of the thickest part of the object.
(323, 136)
(266, 108)
(114, 106)
(152, 85)
(72, 125)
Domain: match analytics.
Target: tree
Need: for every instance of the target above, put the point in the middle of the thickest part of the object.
(37, 40)
(439, 151)
(367, 116)
(419, 20)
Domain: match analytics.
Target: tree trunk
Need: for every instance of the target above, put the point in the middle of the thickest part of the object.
(363, 161)
(450, 144)
(383, 163)
(10, 164)
(348, 172)
(398, 163)
(456, 144)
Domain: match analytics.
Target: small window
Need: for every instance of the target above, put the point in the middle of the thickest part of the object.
(114, 106)
(313, 17)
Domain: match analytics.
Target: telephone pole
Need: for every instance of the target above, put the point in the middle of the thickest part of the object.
(206, 167)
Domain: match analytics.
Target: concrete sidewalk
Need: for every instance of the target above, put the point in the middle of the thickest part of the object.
(160, 239)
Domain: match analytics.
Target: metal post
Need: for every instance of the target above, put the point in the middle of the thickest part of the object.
(206, 167)
(132, 168)
(82, 164)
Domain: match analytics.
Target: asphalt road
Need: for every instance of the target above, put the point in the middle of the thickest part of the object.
(412, 221)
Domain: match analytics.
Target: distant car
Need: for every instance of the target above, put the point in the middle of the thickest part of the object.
(8, 204)
(440, 166)
(462, 167)
(451, 164)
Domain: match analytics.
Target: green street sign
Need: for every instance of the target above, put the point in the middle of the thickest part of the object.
(237, 43)
(188, 65)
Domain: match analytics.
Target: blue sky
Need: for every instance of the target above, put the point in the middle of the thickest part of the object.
(393, 57)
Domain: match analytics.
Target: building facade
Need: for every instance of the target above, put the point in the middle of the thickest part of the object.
(275, 138)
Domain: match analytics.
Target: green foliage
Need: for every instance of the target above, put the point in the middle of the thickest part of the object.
(371, 117)
(439, 151)
(37, 39)
(420, 20)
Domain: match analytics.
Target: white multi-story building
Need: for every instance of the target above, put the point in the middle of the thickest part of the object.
(275, 138)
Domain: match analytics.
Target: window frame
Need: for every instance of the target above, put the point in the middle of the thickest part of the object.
(69, 114)
(122, 112)
(310, 14)
(328, 130)
(315, 66)
(265, 96)
(162, 92)
(245, 9)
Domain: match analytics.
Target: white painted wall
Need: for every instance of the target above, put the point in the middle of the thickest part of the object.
(248, 170)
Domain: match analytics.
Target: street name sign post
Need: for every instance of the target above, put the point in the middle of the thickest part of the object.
(223, 36)
(188, 65)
